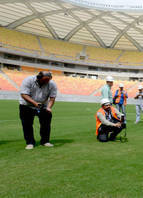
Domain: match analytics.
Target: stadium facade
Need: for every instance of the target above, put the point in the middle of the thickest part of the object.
(90, 41)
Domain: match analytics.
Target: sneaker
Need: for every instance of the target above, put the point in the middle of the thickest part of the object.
(136, 122)
(29, 146)
(48, 144)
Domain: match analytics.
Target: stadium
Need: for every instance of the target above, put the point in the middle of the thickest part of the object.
(81, 42)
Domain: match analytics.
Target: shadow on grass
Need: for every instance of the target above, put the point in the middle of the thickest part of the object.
(9, 141)
(61, 142)
(58, 142)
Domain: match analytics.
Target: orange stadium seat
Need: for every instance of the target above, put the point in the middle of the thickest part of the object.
(6, 85)
(76, 86)
(69, 85)
(17, 76)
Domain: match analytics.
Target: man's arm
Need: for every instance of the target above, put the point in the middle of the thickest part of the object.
(104, 120)
(29, 99)
(52, 96)
(50, 104)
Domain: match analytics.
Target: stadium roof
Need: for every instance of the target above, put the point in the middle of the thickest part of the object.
(68, 21)
(111, 4)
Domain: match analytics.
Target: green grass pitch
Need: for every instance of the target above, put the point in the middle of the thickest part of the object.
(78, 166)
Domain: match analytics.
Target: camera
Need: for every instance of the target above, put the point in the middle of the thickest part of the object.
(122, 118)
(123, 122)
(39, 108)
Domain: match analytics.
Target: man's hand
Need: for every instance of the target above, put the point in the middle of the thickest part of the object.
(50, 104)
(30, 100)
(37, 104)
(118, 124)
(49, 109)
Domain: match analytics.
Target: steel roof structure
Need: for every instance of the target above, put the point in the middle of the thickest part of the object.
(66, 21)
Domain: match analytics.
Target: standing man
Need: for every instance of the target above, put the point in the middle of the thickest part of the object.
(120, 99)
(106, 89)
(109, 122)
(37, 96)
(139, 103)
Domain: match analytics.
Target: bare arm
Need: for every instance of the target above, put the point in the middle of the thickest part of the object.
(50, 104)
(104, 120)
(29, 99)
(107, 122)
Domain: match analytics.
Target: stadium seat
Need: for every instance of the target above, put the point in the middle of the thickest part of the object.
(101, 54)
(6, 85)
(61, 49)
(18, 40)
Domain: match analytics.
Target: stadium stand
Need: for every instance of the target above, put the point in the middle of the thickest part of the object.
(130, 57)
(6, 85)
(132, 92)
(13, 39)
(35, 70)
(68, 85)
(129, 86)
(101, 54)
(29, 43)
(61, 48)
(17, 76)
(76, 86)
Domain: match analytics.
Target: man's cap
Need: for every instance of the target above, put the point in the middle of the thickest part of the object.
(109, 79)
(121, 85)
(140, 87)
(105, 101)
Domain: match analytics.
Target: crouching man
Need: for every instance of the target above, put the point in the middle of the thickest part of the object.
(109, 122)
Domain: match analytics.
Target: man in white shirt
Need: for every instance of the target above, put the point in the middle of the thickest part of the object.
(139, 103)
(106, 89)
(37, 96)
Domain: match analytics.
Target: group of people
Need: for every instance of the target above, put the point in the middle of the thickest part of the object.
(110, 120)
(37, 97)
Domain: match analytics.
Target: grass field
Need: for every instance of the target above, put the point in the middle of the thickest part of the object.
(78, 166)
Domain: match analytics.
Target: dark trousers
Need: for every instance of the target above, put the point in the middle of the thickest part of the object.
(27, 115)
(106, 133)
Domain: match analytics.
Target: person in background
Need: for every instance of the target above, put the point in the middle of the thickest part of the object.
(37, 97)
(139, 103)
(120, 99)
(106, 89)
(109, 122)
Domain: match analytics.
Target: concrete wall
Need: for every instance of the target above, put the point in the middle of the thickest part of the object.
(12, 95)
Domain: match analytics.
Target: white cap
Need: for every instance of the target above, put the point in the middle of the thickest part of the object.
(104, 101)
(109, 79)
(121, 85)
(140, 87)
